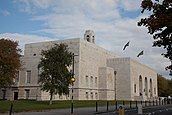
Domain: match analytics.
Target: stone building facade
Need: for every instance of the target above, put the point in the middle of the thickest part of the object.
(99, 74)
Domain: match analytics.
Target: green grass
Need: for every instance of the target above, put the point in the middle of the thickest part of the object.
(32, 105)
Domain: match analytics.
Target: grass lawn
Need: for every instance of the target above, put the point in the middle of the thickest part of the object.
(32, 105)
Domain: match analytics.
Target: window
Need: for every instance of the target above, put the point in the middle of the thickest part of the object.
(17, 77)
(3, 94)
(146, 86)
(96, 81)
(154, 90)
(91, 95)
(86, 95)
(96, 96)
(27, 93)
(134, 88)
(91, 81)
(28, 76)
(86, 80)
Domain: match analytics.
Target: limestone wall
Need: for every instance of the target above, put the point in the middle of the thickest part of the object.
(137, 70)
(123, 81)
(92, 57)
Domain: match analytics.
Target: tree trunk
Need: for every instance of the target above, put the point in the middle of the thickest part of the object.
(51, 97)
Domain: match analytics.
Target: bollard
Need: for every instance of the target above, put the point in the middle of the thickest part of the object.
(96, 107)
(130, 104)
(139, 109)
(153, 103)
(107, 106)
(121, 110)
(123, 103)
(116, 104)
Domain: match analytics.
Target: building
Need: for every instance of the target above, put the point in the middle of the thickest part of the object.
(100, 74)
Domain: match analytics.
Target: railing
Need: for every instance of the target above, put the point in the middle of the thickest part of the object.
(129, 104)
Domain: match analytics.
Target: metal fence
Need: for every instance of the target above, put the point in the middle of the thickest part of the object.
(129, 104)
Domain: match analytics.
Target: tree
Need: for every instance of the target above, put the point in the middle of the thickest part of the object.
(159, 24)
(9, 62)
(164, 86)
(55, 75)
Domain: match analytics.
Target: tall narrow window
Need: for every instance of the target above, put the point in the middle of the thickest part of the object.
(146, 86)
(134, 88)
(96, 81)
(28, 76)
(17, 77)
(92, 95)
(91, 81)
(151, 88)
(96, 96)
(86, 95)
(86, 80)
(140, 86)
(27, 93)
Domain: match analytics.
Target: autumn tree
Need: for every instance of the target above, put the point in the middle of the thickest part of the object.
(164, 86)
(159, 24)
(9, 62)
(54, 66)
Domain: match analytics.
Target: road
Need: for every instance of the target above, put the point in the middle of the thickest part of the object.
(154, 110)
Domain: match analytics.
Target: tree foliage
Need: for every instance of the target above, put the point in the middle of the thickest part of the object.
(55, 76)
(164, 86)
(159, 24)
(9, 62)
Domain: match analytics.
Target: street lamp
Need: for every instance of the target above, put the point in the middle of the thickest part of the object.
(72, 80)
(115, 72)
(72, 83)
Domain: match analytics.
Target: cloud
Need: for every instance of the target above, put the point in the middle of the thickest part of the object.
(130, 5)
(31, 6)
(70, 18)
(24, 38)
(5, 13)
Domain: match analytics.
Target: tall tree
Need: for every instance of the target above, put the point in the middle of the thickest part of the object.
(55, 76)
(162, 86)
(9, 62)
(159, 24)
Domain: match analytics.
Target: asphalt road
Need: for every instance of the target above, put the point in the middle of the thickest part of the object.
(155, 110)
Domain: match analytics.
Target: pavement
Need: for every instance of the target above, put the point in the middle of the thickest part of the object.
(153, 110)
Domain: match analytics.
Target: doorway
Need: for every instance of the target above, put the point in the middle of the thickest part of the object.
(15, 95)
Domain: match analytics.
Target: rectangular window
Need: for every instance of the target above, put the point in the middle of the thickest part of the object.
(28, 76)
(86, 81)
(155, 91)
(86, 95)
(17, 77)
(96, 96)
(134, 88)
(92, 95)
(27, 93)
(96, 81)
(91, 81)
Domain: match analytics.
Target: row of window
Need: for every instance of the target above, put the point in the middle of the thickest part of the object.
(145, 90)
(91, 81)
(91, 95)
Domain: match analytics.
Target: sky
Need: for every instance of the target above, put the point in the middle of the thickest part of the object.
(114, 23)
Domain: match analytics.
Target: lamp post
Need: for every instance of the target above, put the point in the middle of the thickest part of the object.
(115, 84)
(72, 80)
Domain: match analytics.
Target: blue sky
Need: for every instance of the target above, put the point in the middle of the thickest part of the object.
(113, 21)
